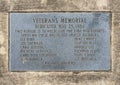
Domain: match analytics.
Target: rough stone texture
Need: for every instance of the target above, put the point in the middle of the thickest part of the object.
(60, 78)
(59, 5)
(3, 42)
(116, 6)
(4, 5)
(116, 42)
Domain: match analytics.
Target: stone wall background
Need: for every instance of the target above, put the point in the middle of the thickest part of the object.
(60, 78)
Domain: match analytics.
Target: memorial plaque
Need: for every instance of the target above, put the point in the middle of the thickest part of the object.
(78, 41)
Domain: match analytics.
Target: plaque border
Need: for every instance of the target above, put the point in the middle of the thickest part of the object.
(111, 25)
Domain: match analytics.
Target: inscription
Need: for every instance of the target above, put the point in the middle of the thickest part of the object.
(59, 41)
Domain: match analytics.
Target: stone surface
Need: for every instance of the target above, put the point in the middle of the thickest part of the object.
(4, 7)
(3, 42)
(116, 42)
(115, 6)
(60, 78)
(60, 5)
